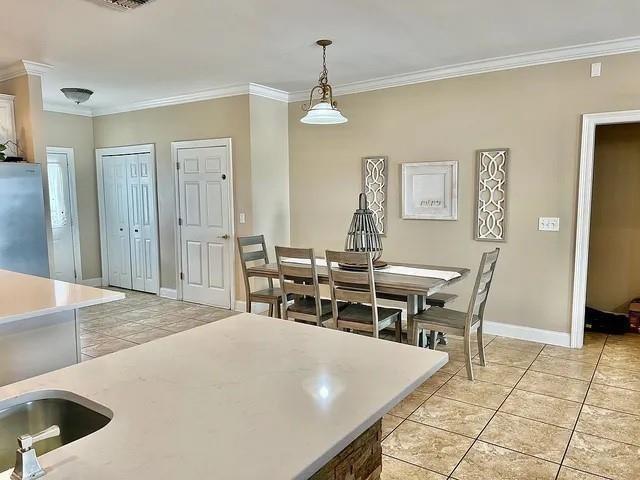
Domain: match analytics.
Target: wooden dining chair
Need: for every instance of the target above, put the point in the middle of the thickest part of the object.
(438, 319)
(300, 281)
(254, 249)
(362, 313)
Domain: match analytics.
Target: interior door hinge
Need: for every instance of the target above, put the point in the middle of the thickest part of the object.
(177, 165)
(180, 221)
(181, 276)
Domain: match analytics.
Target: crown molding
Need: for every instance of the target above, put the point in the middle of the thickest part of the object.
(23, 67)
(68, 109)
(509, 62)
(228, 91)
(268, 92)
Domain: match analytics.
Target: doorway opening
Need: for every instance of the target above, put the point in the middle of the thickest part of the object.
(602, 161)
(63, 206)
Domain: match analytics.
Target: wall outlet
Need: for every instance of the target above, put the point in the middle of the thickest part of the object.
(596, 69)
(243, 219)
(549, 224)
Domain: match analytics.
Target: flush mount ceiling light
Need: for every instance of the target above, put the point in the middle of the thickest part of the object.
(325, 111)
(123, 4)
(77, 95)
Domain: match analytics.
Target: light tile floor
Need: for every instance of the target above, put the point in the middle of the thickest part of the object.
(139, 318)
(534, 412)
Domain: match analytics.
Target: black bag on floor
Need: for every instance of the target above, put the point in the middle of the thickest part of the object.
(606, 322)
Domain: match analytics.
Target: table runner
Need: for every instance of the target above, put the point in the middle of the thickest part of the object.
(394, 269)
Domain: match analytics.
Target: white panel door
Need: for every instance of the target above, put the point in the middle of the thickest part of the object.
(204, 202)
(116, 203)
(135, 221)
(143, 229)
(61, 217)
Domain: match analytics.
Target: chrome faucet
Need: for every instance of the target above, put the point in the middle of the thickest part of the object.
(27, 465)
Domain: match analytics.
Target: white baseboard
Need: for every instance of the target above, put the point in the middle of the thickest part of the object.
(91, 282)
(168, 293)
(255, 307)
(528, 333)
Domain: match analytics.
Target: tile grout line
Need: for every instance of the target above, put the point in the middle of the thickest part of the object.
(573, 430)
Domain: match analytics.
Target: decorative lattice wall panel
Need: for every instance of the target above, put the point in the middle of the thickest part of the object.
(374, 185)
(491, 201)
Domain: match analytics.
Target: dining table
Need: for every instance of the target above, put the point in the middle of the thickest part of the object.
(409, 283)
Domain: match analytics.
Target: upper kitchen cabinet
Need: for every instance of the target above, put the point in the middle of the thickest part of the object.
(7, 122)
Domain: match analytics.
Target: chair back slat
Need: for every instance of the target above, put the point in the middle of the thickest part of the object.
(298, 279)
(292, 270)
(251, 249)
(348, 295)
(250, 240)
(352, 286)
(351, 278)
(299, 289)
(486, 276)
(354, 258)
(480, 298)
(482, 286)
(252, 256)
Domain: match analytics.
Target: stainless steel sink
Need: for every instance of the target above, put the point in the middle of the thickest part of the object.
(76, 416)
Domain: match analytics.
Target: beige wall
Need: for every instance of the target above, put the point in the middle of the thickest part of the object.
(614, 243)
(74, 131)
(270, 170)
(219, 118)
(533, 111)
(28, 114)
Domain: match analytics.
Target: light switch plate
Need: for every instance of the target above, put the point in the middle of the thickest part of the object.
(242, 218)
(549, 224)
(596, 69)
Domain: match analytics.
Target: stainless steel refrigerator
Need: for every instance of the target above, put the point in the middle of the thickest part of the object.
(23, 239)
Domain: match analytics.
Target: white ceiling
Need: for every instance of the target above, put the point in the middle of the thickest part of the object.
(172, 47)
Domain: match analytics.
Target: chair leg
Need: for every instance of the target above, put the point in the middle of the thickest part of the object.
(414, 334)
(278, 312)
(483, 361)
(432, 339)
(271, 309)
(248, 304)
(467, 354)
(399, 329)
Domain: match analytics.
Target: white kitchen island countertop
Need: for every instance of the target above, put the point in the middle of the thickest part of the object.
(247, 397)
(25, 296)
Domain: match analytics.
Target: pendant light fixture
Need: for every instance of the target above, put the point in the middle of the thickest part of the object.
(325, 111)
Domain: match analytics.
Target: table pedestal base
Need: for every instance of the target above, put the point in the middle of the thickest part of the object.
(360, 460)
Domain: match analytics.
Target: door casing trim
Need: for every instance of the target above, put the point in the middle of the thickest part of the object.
(583, 216)
(215, 142)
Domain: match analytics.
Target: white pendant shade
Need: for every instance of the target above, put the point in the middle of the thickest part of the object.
(323, 114)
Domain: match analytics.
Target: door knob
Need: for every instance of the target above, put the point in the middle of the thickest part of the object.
(225, 236)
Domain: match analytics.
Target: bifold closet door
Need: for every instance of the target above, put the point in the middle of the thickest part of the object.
(116, 214)
(131, 221)
(142, 223)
